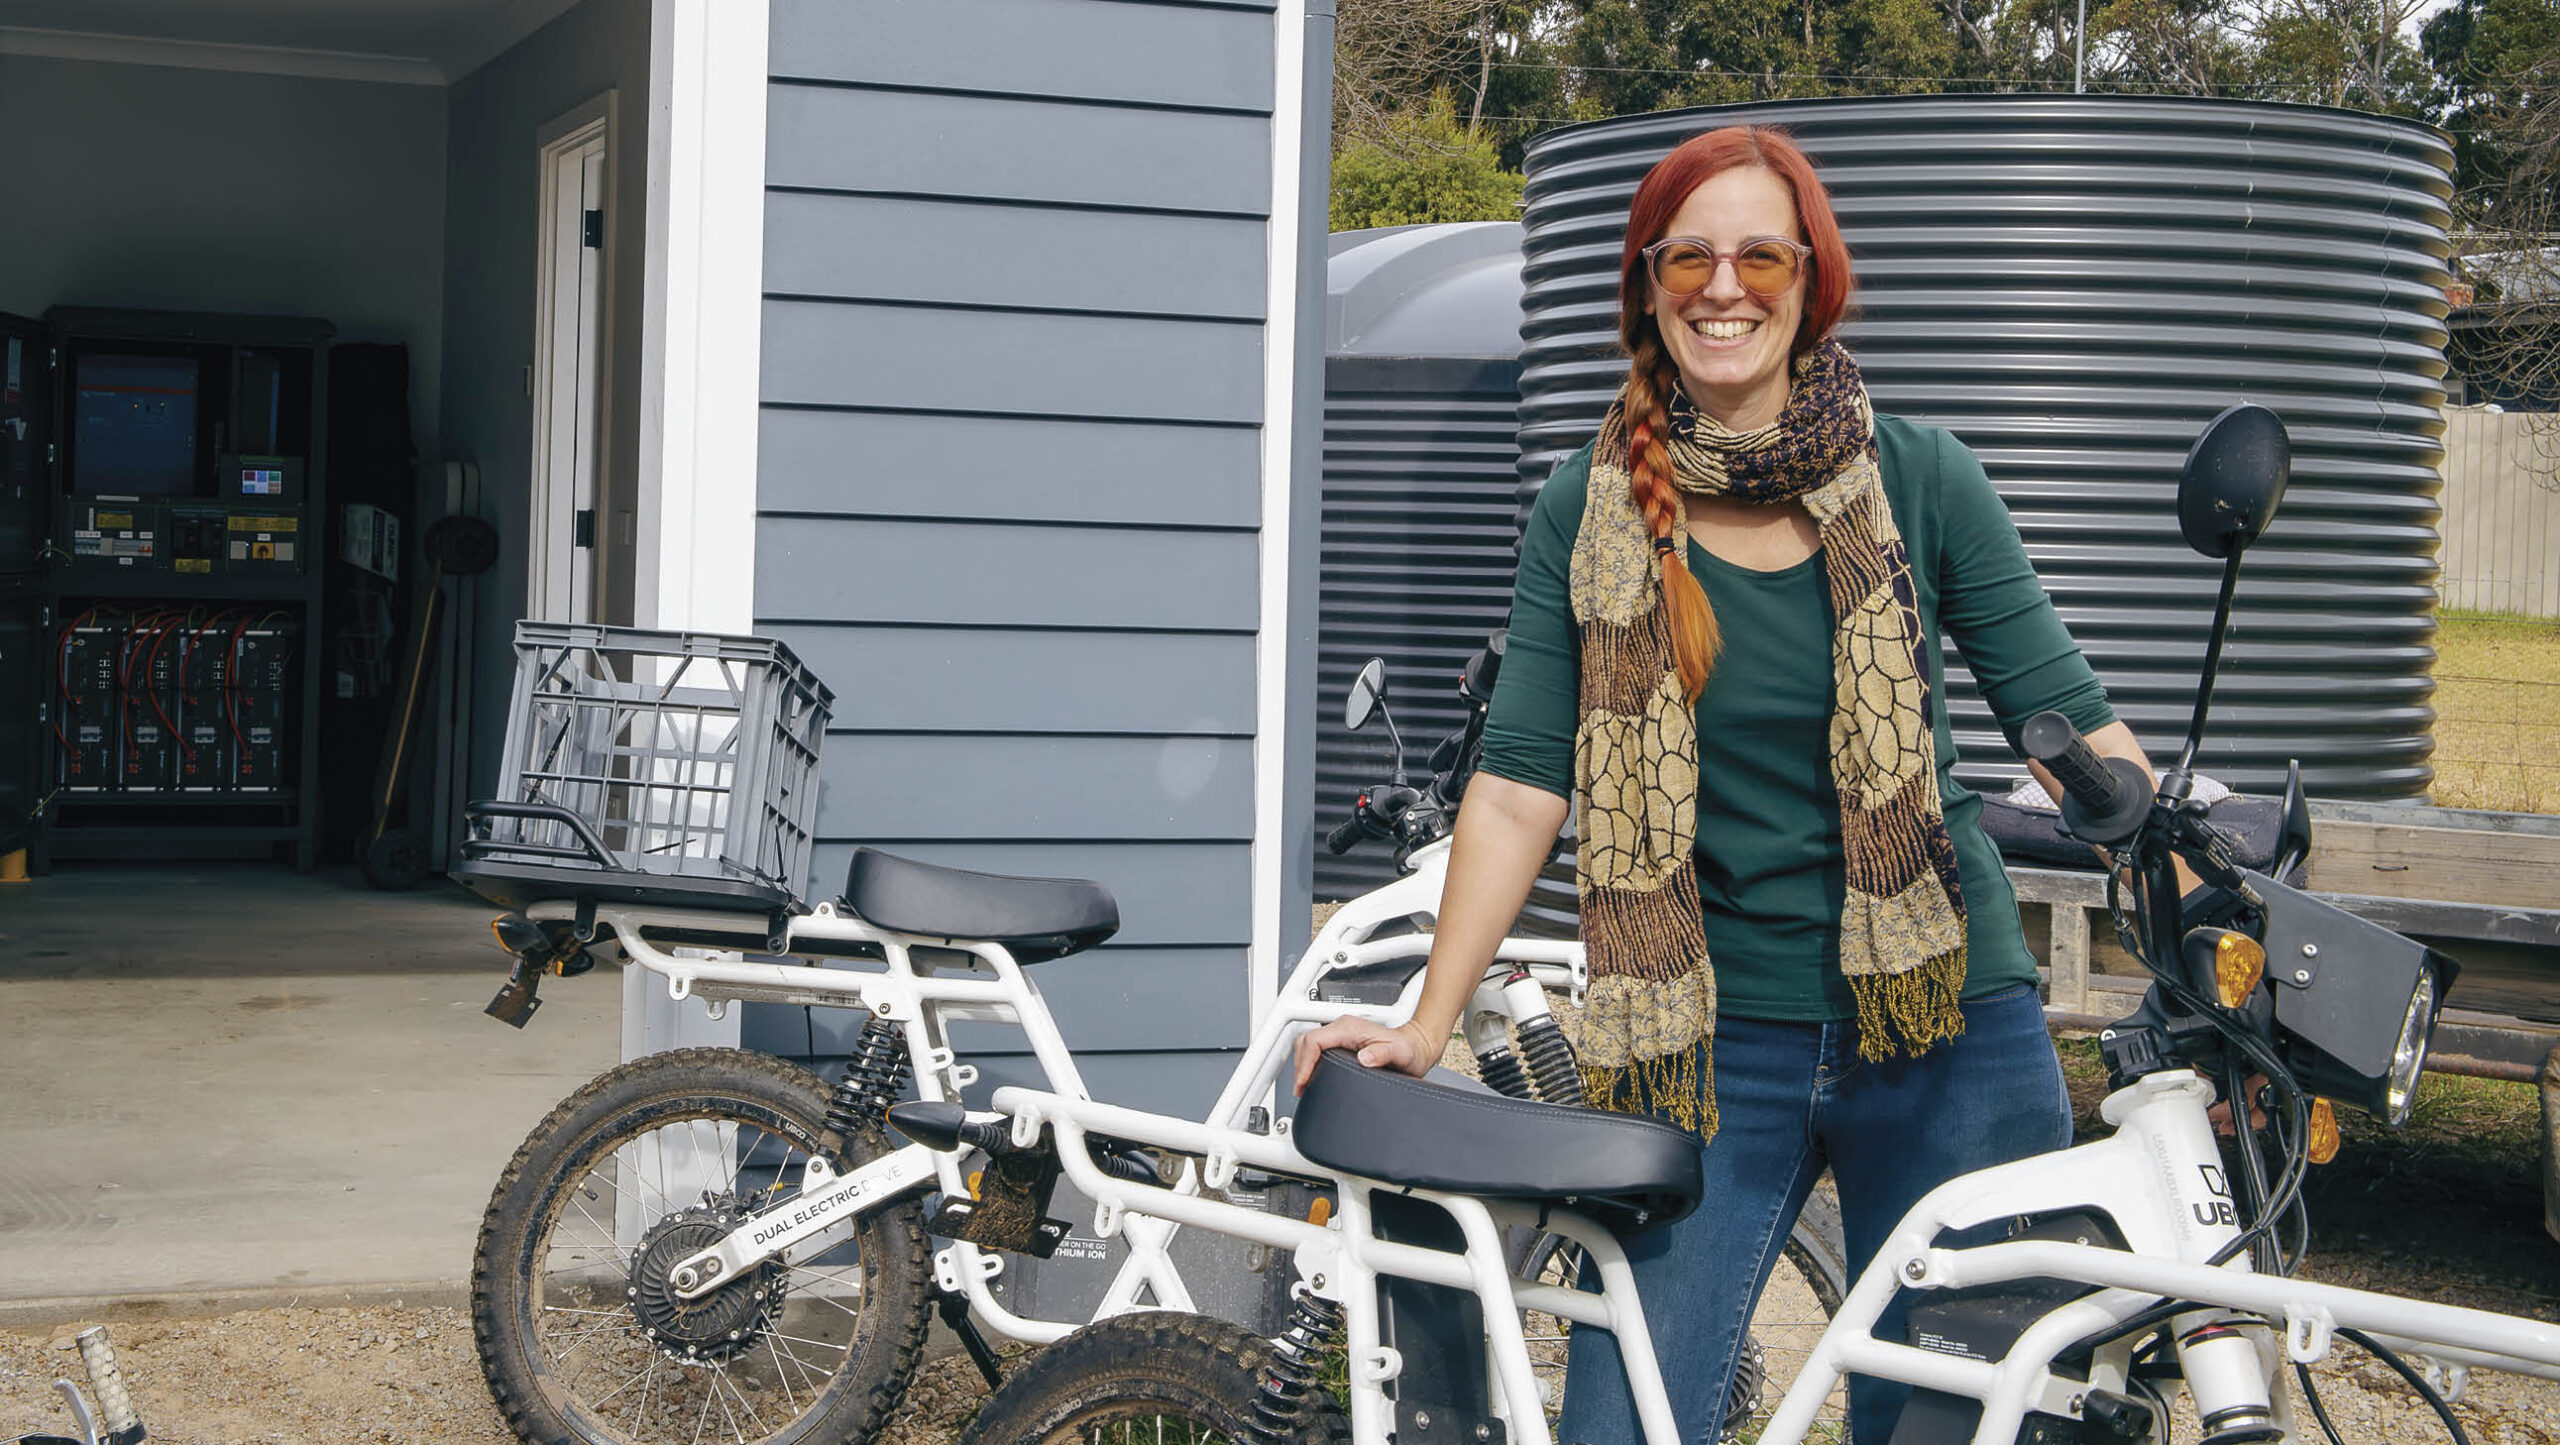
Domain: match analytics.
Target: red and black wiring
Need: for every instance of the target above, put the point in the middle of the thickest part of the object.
(62, 674)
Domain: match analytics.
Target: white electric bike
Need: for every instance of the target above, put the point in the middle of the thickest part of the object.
(2067, 1297)
(717, 1244)
(114, 1421)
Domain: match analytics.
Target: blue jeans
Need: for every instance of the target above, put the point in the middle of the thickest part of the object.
(1791, 1098)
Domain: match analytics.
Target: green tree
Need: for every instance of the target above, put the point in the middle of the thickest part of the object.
(1428, 167)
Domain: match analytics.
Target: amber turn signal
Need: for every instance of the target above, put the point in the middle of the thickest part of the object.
(2239, 966)
(2321, 1145)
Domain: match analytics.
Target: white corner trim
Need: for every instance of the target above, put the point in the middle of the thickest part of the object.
(218, 55)
(702, 332)
(1272, 722)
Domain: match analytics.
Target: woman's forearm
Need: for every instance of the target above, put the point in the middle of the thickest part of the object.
(1503, 834)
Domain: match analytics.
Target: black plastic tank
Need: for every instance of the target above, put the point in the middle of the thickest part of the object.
(2075, 285)
(1421, 454)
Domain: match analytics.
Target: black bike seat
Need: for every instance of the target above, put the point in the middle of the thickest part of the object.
(1630, 1173)
(1034, 918)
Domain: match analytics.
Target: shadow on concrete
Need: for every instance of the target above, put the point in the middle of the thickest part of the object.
(232, 1082)
(233, 920)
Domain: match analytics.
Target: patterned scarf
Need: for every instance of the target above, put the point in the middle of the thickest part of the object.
(1651, 1006)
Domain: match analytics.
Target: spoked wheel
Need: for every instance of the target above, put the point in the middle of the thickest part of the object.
(583, 1336)
(1804, 1291)
(1157, 1378)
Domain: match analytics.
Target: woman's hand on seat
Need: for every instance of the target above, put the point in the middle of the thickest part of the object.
(1377, 1047)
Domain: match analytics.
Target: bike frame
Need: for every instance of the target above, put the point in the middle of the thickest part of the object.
(2159, 1177)
(924, 984)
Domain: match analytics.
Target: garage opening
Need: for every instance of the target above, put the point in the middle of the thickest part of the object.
(289, 286)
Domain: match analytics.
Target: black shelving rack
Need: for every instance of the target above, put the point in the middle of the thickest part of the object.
(248, 540)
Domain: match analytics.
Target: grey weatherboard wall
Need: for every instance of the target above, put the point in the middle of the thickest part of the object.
(1421, 415)
(2074, 285)
(1009, 493)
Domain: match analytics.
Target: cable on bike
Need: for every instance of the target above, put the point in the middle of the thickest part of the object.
(2417, 1382)
(2311, 1397)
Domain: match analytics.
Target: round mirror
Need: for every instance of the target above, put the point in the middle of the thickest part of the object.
(1366, 689)
(2235, 475)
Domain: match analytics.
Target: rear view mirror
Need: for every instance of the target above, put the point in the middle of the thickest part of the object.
(1366, 689)
(2234, 476)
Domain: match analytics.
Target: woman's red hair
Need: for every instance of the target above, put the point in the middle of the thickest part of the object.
(1652, 377)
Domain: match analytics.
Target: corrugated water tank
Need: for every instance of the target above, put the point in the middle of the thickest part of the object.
(1422, 348)
(2074, 285)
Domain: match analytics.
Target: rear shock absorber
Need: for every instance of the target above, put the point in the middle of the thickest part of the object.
(874, 1076)
(1500, 1070)
(1543, 1046)
(1315, 1324)
(1489, 1039)
(1551, 1061)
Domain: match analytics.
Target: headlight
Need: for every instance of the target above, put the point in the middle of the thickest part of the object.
(2409, 1055)
(2355, 1002)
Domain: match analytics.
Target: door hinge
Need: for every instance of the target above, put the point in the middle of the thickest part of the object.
(595, 230)
(586, 526)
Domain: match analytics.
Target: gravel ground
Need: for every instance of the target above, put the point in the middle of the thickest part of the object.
(2447, 1210)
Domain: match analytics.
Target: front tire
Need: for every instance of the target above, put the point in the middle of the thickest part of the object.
(579, 1333)
(1158, 1377)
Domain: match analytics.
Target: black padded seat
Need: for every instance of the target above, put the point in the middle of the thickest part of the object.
(2033, 836)
(1034, 918)
(1630, 1173)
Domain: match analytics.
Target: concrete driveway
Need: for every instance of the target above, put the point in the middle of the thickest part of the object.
(223, 1086)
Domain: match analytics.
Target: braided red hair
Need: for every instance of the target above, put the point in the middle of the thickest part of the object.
(1651, 376)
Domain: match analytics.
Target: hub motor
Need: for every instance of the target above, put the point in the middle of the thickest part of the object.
(720, 1325)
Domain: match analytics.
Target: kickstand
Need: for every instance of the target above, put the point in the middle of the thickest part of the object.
(955, 1314)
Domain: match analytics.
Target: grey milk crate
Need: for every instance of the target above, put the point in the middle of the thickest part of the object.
(675, 768)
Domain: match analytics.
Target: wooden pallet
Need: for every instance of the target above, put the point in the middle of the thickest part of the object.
(2483, 887)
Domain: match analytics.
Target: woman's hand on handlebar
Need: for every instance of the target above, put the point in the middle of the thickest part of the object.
(1401, 1048)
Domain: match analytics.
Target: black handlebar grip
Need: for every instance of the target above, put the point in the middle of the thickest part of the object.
(1344, 838)
(2050, 739)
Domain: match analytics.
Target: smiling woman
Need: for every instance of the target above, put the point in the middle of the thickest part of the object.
(1724, 659)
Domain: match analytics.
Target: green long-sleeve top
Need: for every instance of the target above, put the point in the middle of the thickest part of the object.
(1770, 869)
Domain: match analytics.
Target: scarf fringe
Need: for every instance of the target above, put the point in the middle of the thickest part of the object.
(1677, 1088)
(1909, 1013)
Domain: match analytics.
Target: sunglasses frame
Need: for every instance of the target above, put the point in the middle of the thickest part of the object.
(1804, 258)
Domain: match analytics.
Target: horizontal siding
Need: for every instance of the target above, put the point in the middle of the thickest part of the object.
(957, 252)
(941, 679)
(962, 786)
(1150, 54)
(928, 144)
(1016, 273)
(1029, 469)
(1190, 895)
(1178, 1082)
(1113, 999)
(1048, 364)
(824, 569)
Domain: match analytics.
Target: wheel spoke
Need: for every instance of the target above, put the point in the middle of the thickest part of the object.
(624, 1202)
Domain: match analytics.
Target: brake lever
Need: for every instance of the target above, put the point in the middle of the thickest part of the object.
(2207, 851)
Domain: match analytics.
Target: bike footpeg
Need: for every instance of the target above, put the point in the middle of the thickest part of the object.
(515, 1004)
(1010, 1207)
(964, 1220)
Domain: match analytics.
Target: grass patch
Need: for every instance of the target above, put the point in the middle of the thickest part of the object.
(2497, 713)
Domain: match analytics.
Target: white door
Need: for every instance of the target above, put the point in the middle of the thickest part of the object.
(567, 380)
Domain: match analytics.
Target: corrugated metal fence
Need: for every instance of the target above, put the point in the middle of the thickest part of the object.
(2501, 512)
